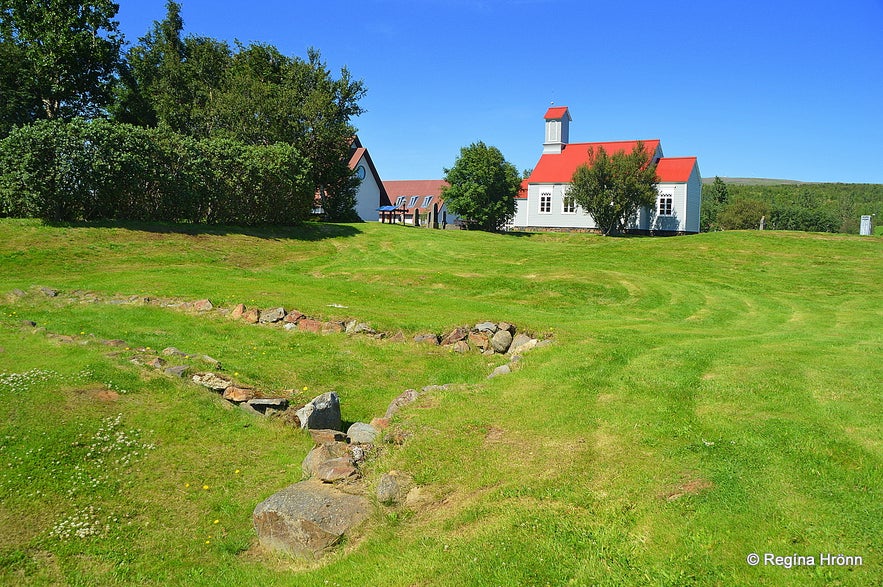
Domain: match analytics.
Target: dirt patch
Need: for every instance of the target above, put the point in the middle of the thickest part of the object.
(693, 486)
(97, 393)
(494, 435)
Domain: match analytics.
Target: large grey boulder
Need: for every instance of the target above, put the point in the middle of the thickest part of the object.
(308, 518)
(321, 412)
(501, 340)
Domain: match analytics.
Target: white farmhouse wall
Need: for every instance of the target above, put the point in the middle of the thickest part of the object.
(368, 194)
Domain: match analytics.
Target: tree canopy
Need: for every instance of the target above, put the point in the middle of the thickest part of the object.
(483, 187)
(612, 188)
(58, 59)
(253, 94)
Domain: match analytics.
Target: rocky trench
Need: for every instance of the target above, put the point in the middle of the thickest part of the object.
(307, 519)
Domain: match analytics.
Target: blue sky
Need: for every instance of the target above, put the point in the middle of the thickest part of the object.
(774, 88)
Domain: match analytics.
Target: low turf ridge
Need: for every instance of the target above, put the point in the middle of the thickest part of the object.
(705, 398)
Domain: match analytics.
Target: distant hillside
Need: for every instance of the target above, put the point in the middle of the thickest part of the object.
(845, 201)
(754, 181)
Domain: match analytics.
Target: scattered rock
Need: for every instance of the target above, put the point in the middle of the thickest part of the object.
(28, 323)
(173, 352)
(456, 335)
(427, 337)
(293, 317)
(176, 371)
(309, 325)
(264, 404)
(252, 316)
(18, 293)
(320, 454)
(480, 340)
(213, 363)
(397, 337)
(289, 326)
(49, 292)
(461, 346)
(510, 328)
(404, 398)
(489, 327)
(326, 436)
(354, 327)
(501, 370)
(332, 327)
(214, 382)
(321, 412)
(238, 394)
(361, 433)
(501, 341)
(417, 498)
(338, 469)
(307, 518)
(393, 487)
(272, 316)
(203, 306)
(238, 311)
(156, 363)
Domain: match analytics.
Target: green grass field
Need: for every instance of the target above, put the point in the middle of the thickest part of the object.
(705, 398)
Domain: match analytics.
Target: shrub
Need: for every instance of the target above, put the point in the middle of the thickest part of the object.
(101, 170)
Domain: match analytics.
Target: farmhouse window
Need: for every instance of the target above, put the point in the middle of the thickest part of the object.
(568, 206)
(665, 205)
(426, 201)
(413, 201)
(399, 201)
(546, 203)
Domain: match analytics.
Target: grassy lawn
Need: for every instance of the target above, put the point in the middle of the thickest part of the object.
(705, 398)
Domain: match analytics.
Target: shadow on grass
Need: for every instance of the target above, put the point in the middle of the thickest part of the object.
(308, 231)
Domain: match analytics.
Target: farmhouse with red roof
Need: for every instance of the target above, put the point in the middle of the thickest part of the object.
(542, 203)
(421, 196)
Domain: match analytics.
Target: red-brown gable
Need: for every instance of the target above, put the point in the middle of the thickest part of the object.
(416, 187)
(559, 167)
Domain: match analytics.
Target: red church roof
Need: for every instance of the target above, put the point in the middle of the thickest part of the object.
(559, 168)
(675, 169)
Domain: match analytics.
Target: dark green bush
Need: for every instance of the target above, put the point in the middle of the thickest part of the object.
(97, 170)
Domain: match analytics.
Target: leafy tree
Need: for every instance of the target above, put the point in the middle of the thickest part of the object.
(742, 214)
(483, 187)
(612, 188)
(251, 94)
(58, 58)
(714, 198)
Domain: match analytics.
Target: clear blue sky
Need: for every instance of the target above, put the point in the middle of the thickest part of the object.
(776, 88)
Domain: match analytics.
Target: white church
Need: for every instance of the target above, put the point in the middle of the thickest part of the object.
(543, 204)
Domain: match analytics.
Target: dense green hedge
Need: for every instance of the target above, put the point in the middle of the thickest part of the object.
(93, 170)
